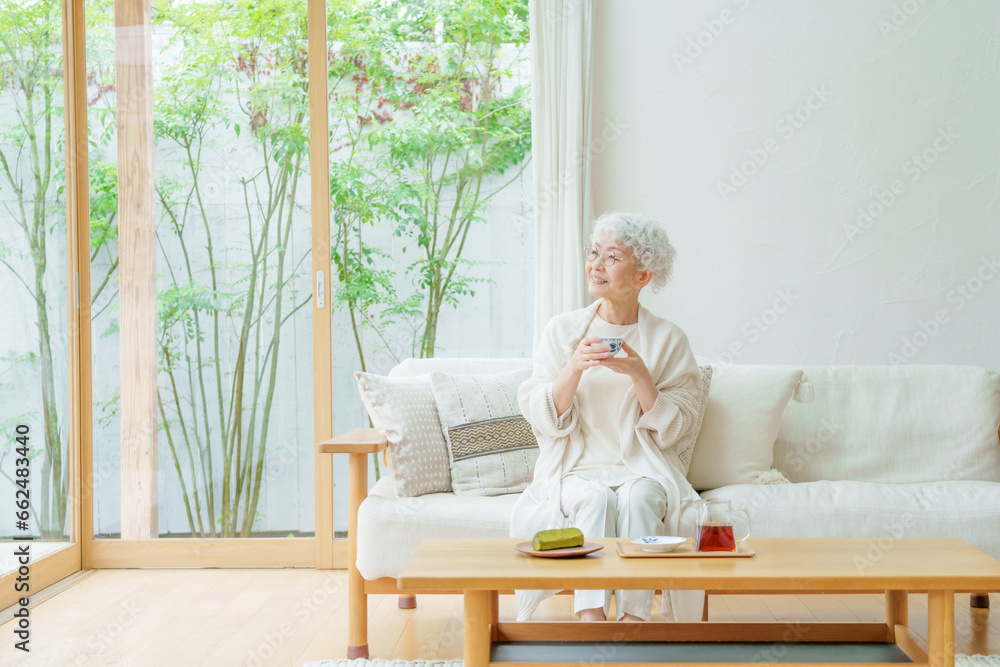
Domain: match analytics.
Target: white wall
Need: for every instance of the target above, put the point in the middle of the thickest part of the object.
(692, 93)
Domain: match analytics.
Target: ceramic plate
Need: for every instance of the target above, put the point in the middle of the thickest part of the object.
(565, 552)
(658, 542)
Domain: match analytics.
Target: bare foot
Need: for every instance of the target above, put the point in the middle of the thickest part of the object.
(629, 618)
(592, 615)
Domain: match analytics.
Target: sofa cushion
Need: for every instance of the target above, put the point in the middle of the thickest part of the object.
(402, 406)
(900, 424)
(390, 527)
(741, 421)
(403, 409)
(491, 448)
(969, 511)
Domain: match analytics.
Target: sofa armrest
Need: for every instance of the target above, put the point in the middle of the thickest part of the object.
(358, 441)
(357, 444)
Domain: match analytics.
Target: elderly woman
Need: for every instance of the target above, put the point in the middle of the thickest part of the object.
(607, 426)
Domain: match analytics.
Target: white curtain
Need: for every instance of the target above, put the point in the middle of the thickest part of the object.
(560, 142)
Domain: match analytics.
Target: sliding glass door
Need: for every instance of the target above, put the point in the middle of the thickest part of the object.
(35, 455)
(233, 356)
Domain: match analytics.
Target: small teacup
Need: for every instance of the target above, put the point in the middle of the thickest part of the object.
(615, 342)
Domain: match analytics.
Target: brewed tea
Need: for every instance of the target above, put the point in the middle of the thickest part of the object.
(716, 536)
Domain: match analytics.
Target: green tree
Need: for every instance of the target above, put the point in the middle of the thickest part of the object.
(422, 97)
(240, 84)
(31, 170)
(365, 191)
(424, 120)
(31, 163)
(32, 176)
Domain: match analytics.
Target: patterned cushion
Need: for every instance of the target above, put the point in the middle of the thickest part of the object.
(490, 445)
(404, 410)
(685, 448)
(505, 434)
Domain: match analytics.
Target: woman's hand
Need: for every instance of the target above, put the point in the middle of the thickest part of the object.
(635, 368)
(632, 365)
(589, 353)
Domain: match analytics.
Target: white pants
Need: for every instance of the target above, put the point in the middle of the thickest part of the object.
(634, 509)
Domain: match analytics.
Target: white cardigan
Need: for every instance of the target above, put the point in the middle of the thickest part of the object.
(648, 440)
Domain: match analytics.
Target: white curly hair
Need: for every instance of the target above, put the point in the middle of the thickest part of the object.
(645, 238)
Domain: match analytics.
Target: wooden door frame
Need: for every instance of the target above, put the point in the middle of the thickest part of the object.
(84, 551)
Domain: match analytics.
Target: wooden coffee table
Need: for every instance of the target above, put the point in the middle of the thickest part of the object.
(940, 566)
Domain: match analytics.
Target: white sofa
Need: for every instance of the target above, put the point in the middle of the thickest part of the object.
(880, 452)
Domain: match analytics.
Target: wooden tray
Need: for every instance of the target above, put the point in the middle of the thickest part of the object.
(628, 550)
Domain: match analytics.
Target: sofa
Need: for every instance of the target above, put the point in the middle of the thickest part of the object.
(881, 452)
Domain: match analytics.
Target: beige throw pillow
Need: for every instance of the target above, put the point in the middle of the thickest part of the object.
(741, 423)
(404, 410)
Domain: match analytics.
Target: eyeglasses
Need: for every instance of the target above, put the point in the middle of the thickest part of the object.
(608, 256)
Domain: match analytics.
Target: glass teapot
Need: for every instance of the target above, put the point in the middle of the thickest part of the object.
(713, 529)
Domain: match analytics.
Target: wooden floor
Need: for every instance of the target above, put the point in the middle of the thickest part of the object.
(178, 618)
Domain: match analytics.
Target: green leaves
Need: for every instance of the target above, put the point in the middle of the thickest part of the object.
(231, 124)
(177, 304)
(424, 117)
(422, 98)
(103, 204)
(32, 180)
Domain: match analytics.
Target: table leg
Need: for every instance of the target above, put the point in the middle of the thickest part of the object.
(895, 612)
(941, 628)
(494, 615)
(477, 628)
